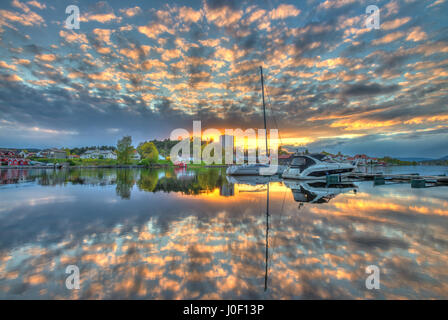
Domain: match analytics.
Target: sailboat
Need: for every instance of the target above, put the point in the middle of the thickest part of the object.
(253, 169)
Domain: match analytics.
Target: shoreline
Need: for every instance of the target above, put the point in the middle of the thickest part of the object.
(123, 166)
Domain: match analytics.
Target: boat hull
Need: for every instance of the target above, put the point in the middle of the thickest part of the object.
(319, 173)
(248, 170)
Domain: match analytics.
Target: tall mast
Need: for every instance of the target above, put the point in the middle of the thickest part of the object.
(267, 241)
(267, 195)
(264, 109)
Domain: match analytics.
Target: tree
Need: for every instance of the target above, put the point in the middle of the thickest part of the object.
(124, 150)
(281, 151)
(148, 151)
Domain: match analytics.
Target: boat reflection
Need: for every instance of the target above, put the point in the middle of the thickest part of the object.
(252, 180)
(318, 192)
(303, 191)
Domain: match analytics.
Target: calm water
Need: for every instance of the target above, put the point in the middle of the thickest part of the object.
(145, 234)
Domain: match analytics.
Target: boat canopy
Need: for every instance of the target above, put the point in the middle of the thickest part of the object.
(318, 156)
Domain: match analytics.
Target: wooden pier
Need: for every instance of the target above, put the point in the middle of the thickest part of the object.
(438, 180)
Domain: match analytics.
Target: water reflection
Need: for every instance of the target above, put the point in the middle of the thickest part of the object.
(196, 234)
(319, 191)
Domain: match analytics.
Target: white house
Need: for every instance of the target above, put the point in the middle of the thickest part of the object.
(135, 155)
(99, 154)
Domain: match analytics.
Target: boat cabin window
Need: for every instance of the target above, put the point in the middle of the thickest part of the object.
(298, 161)
(302, 162)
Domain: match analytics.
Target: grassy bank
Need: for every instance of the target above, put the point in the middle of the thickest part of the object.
(111, 162)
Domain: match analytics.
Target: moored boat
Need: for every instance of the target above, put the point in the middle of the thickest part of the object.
(313, 167)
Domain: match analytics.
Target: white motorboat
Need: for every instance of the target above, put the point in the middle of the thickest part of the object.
(313, 167)
(245, 169)
(252, 170)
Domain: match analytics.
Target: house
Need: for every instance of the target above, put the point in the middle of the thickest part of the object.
(52, 154)
(284, 159)
(57, 154)
(7, 153)
(73, 156)
(42, 154)
(99, 154)
(24, 154)
(135, 155)
(362, 159)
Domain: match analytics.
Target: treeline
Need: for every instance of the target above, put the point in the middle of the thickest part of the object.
(398, 162)
(435, 162)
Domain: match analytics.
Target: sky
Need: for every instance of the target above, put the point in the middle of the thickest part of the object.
(145, 68)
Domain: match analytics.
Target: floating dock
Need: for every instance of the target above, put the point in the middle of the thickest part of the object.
(380, 177)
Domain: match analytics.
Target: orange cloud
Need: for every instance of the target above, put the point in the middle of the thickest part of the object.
(18, 4)
(189, 15)
(423, 119)
(37, 4)
(101, 17)
(171, 54)
(47, 57)
(388, 38)
(284, 11)
(224, 16)
(328, 4)
(103, 35)
(130, 12)
(4, 65)
(389, 25)
(417, 34)
(72, 37)
(363, 124)
(256, 15)
(27, 19)
(152, 31)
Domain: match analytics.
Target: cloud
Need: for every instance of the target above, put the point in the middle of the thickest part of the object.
(284, 11)
(101, 17)
(101, 12)
(73, 37)
(222, 16)
(20, 5)
(28, 18)
(369, 89)
(4, 65)
(329, 4)
(131, 12)
(436, 3)
(187, 14)
(394, 24)
(47, 57)
(417, 34)
(388, 38)
(153, 30)
(103, 35)
(36, 4)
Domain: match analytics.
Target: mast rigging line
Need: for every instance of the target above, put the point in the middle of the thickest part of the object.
(270, 108)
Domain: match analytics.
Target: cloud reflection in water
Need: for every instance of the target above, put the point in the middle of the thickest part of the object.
(143, 234)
